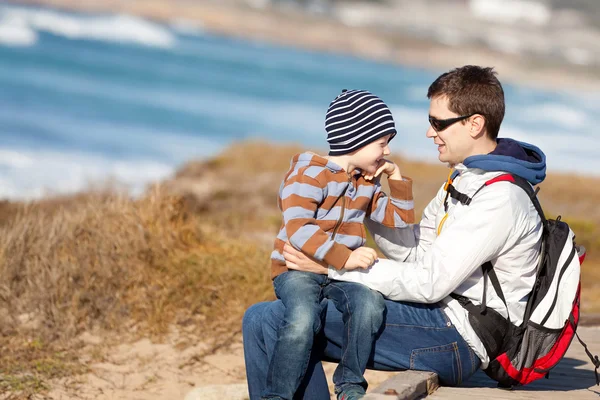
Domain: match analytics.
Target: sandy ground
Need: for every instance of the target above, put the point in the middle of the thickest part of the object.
(144, 370)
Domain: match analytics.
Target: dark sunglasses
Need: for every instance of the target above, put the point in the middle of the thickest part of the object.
(440, 124)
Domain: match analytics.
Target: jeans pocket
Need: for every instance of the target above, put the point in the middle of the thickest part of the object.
(443, 360)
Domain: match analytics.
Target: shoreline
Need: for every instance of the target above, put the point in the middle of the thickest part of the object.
(325, 34)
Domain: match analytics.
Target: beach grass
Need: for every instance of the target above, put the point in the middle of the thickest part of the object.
(106, 262)
(192, 251)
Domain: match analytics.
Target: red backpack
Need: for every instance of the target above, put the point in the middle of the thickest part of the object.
(522, 354)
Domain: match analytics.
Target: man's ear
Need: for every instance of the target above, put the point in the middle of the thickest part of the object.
(477, 125)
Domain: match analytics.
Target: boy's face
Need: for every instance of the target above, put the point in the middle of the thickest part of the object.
(367, 158)
(454, 142)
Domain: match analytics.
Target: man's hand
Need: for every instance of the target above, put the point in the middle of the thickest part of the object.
(299, 261)
(387, 167)
(363, 257)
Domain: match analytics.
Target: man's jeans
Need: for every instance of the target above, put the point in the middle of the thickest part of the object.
(302, 293)
(415, 336)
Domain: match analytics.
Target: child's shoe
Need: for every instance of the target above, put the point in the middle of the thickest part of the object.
(351, 392)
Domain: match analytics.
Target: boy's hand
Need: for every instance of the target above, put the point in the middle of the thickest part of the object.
(387, 167)
(363, 257)
(295, 259)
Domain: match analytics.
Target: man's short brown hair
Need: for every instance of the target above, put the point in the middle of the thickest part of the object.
(472, 90)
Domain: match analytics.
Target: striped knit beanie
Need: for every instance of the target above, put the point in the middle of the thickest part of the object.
(356, 118)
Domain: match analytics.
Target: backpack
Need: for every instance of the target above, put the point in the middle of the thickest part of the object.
(522, 354)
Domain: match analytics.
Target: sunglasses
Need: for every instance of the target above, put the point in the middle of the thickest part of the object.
(439, 125)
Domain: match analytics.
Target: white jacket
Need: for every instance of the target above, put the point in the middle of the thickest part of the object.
(500, 225)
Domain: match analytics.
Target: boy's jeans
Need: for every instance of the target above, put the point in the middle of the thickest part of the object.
(415, 336)
(302, 294)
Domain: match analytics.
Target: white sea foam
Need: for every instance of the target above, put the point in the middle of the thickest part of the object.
(14, 159)
(112, 28)
(557, 113)
(33, 174)
(15, 32)
(136, 159)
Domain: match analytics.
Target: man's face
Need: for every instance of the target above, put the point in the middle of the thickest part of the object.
(454, 142)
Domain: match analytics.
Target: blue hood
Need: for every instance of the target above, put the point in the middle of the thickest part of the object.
(518, 158)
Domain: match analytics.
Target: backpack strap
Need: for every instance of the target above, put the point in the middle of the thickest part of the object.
(488, 270)
(488, 326)
(594, 359)
(523, 184)
(455, 194)
(517, 180)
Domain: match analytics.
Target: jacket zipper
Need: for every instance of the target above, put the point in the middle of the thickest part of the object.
(339, 221)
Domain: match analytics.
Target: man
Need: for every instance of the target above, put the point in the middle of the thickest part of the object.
(466, 225)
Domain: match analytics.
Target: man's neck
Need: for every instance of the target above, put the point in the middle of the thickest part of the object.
(484, 147)
(489, 146)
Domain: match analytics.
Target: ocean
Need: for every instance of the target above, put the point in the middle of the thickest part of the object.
(86, 99)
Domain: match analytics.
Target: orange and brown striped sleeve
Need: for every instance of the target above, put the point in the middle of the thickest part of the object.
(397, 209)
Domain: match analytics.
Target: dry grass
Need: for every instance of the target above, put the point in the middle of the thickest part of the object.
(105, 261)
(90, 261)
(193, 252)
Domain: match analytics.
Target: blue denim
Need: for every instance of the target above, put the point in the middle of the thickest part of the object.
(302, 294)
(414, 336)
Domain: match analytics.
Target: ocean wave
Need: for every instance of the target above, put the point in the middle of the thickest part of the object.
(14, 32)
(28, 174)
(112, 28)
(14, 159)
(557, 113)
(132, 139)
(253, 116)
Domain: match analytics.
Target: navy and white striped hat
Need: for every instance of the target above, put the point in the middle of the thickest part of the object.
(356, 118)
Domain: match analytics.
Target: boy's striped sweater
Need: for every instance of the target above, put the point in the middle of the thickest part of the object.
(324, 208)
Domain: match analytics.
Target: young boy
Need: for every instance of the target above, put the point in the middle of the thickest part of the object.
(324, 201)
